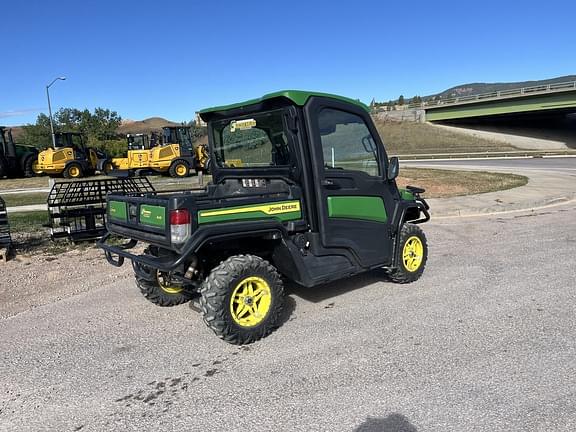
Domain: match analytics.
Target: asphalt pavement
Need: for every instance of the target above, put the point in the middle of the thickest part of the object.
(483, 342)
(551, 181)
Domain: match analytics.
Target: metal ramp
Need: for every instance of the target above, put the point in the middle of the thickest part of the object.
(77, 210)
(5, 238)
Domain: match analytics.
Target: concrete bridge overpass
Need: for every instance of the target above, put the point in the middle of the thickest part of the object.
(545, 100)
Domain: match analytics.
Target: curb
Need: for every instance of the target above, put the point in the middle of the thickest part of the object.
(555, 202)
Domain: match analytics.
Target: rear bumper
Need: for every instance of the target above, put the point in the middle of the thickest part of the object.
(116, 255)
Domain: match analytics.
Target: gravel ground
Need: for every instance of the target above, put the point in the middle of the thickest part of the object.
(484, 342)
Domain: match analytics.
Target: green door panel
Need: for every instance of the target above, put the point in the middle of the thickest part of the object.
(369, 208)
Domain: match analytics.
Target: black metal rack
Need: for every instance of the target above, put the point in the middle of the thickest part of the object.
(5, 238)
(77, 210)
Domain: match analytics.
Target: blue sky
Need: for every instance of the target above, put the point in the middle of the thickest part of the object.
(171, 58)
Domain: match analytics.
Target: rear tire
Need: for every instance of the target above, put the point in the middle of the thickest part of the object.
(73, 171)
(412, 254)
(179, 168)
(157, 287)
(29, 166)
(242, 299)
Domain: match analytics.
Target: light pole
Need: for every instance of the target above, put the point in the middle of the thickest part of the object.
(50, 109)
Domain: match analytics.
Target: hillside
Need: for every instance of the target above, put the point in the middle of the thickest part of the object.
(480, 88)
(144, 126)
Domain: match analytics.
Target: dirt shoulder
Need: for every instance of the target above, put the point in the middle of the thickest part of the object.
(445, 183)
(32, 280)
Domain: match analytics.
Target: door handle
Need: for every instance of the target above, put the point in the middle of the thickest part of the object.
(329, 184)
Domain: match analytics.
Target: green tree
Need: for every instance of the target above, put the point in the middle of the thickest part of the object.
(401, 100)
(98, 126)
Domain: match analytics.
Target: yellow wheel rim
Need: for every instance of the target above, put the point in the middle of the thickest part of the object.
(181, 170)
(413, 254)
(166, 285)
(250, 301)
(74, 172)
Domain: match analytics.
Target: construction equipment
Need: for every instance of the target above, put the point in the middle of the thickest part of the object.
(70, 157)
(302, 190)
(5, 237)
(137, 158)
(15, 160)
(77, 210)
(176, 155)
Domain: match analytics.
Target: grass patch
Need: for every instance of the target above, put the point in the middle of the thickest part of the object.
(29, 222)
(22, 183)
(20, 199)
(30, 236)
(420, 138)
(448, 183)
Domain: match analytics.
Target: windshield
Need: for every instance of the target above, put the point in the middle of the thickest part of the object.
(248, 142)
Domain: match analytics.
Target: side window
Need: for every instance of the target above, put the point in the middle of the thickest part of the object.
(347, 142)
(76, 142)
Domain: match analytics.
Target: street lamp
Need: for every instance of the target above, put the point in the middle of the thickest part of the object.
(50, 109)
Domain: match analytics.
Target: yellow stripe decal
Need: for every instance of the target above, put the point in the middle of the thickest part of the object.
(269, 209)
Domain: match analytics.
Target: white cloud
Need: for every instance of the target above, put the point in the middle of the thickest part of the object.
(19, 112)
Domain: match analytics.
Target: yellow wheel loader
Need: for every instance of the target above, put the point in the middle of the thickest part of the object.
(70, 157)
(176, 156)
(137, 157)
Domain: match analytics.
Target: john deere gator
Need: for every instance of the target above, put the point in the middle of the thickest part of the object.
(302, 190)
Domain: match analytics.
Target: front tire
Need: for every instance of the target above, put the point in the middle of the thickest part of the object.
(73, 171)
(179, 169)
(242, 299)
(412, 254)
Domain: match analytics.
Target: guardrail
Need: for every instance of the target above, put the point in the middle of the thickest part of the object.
(487, 155)
(502, 94)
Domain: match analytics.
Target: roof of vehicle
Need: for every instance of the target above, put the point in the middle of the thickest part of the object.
(298, 97)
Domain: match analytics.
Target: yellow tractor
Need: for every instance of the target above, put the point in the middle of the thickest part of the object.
(69, 158)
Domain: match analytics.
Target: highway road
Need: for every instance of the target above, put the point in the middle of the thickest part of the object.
(556, 164)
(484, 342)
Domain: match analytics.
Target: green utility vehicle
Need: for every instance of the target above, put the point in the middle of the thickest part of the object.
(302, 190)
(15, 160)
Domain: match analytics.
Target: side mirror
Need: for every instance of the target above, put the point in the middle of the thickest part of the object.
(393, 168)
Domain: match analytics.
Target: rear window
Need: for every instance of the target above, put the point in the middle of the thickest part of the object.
(252, 141)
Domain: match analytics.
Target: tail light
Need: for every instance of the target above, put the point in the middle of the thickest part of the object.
(180, 226)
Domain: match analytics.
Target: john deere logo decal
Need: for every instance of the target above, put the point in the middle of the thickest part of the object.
(242, 124)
